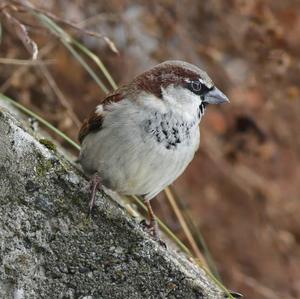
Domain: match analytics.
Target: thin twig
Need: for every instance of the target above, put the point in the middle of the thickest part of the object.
(22, 69)
(22, 33)
(26, 62)
(5, 5)
(109, 42)
(61, 97)
(97, 18)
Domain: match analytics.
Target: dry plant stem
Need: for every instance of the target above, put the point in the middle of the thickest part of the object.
(185, 227)
(13, 61)
(109, 42)
(95, 19)
(67, 41)
(61, 97)
(22, 70)
(98, 62)
(196, 235)
(22, 33)
(4, 5)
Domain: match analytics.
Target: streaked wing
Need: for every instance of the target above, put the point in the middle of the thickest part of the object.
(94, 121)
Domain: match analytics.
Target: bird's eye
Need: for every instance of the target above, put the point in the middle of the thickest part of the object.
(196, 86)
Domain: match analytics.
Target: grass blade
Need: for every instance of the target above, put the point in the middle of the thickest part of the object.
(197, 235)
(51, 25)
(40, 119)
(185, 228)
(98, 62)
(67, 41)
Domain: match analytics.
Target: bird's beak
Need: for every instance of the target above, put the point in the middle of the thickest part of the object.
(215, 96)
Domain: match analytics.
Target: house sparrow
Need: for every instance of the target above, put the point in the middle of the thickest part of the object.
(142, 136)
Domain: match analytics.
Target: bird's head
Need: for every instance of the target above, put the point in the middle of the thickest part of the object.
(180, 84)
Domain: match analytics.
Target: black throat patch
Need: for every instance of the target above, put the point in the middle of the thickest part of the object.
(168, 131)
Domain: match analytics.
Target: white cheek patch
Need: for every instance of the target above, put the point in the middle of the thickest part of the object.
(152, 102)
(99, 110)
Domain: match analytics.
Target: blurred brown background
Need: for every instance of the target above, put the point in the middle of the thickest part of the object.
(243, 186)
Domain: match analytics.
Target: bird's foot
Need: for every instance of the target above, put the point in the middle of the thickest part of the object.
(152, 229)
(94, 185)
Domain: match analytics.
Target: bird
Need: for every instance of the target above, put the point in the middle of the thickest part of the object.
(140, 138)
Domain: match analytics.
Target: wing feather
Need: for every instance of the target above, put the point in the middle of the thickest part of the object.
(94, 121)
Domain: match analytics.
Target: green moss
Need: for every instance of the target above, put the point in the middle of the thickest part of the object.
(50, 145)
(60, 200)
(10, 272)
(43, 167)
(85, 222)
(65, 166)
(77, 201)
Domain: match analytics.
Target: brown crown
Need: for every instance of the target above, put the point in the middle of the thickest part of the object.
(166, 73)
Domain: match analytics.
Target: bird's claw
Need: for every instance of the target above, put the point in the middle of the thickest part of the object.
(152, 229)
(94, 185)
